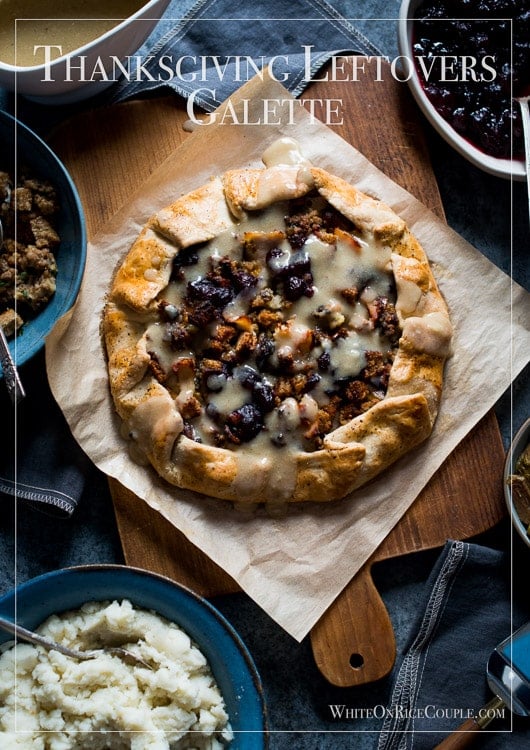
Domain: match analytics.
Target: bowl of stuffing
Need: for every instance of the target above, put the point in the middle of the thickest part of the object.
(517, 481)
(466, 64)
(65, 51)
(43, 253)
(195, 686)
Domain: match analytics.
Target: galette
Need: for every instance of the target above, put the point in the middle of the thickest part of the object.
(275, 336)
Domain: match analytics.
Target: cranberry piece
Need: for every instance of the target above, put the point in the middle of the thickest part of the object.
(293, 288)
(186, 256)
(264, 350)
(213, 412)
(202, 314)
(248, 376)
(262, 392)
(190, 432)
(311, 382)
(243, 280)
(263, 396)
(277, 260)
(299, 280)
(243, 424)
(300, 264)
(459, 120)
(210, 291)
(442, 99)
(324, 362)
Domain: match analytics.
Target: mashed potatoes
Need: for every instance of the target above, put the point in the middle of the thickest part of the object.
(52, 702)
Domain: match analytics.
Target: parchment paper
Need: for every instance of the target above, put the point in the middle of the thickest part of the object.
(293, 566)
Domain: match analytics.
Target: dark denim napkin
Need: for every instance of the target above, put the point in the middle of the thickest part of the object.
(471, 605)
(215, 36)
(41, 463)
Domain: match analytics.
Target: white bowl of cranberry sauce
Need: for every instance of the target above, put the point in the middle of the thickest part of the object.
(467, 61)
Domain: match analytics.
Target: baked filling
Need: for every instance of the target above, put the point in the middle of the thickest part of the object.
(275, 336)
(278, 332)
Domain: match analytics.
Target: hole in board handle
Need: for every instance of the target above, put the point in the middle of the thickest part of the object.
(356, 661)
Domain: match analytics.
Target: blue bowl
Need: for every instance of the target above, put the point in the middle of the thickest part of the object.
(18, 142)
(519, 443)
(231, 663)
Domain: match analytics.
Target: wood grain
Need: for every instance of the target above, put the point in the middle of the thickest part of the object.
(109, 153)
(463, 498)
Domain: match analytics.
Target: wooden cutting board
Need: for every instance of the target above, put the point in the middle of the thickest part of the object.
(109, 153)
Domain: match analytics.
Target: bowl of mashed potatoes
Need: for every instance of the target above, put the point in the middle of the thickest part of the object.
(198, 688)
(63, 51)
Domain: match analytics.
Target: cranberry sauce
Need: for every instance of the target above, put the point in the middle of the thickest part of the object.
(473, 57)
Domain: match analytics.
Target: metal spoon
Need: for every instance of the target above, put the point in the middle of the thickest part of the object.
(11, 376)
(525, 116)
(13, 383)
(31, 637)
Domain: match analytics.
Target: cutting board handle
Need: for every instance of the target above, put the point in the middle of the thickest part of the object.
(462, 738)
(467, 732)
(353, 642)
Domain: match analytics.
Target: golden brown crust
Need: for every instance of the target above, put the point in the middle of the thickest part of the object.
(353, 453)
(365, 212)
(196, 217)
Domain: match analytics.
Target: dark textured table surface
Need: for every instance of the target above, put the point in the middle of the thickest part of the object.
(491, 214)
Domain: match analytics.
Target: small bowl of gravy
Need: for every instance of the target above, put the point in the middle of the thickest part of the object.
(63, 51)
